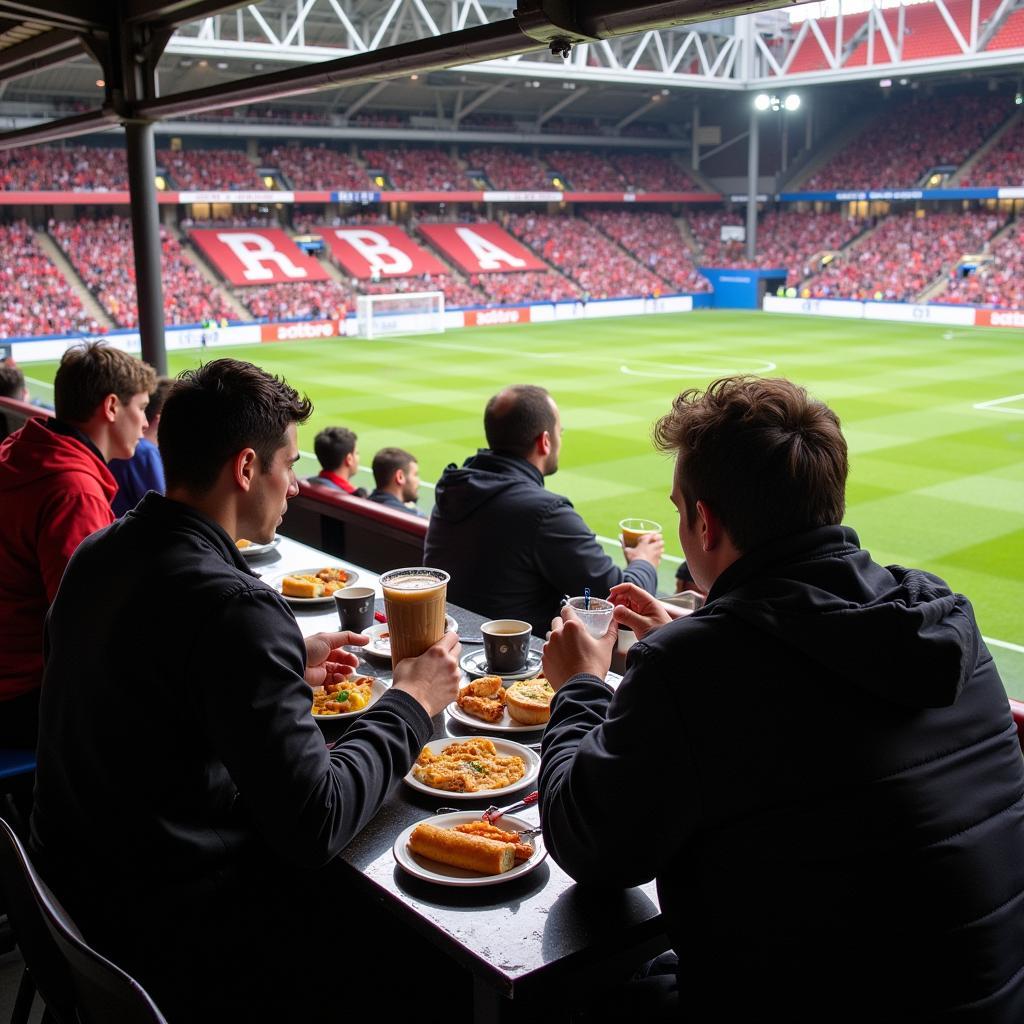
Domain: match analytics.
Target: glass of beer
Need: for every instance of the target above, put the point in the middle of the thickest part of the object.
(634, 529)
(414, 603)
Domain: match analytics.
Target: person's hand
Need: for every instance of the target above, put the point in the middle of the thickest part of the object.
(570, 649)
(650, 547)
(326, 662)
(637, 610)
(433, 677)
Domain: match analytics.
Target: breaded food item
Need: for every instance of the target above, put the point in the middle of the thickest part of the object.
(242, 544)
(524, 851)
(474, 853)
(529, 701)
(322, 583)
(341, 698)
(468, 767)
(483, 698)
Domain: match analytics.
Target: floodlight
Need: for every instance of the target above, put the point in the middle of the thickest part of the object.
(792, 102)
(1019, 98)
(762, 101)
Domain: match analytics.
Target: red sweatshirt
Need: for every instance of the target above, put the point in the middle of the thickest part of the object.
(54, 492)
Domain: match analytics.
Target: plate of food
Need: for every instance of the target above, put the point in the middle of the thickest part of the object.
(380, 638)
(346, 699)
(302, 588)
(474, 768)
(462, 850)
(251, 550)
(525, 706)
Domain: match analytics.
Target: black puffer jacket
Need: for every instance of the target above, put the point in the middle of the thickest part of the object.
(821, 771)
(513, 548)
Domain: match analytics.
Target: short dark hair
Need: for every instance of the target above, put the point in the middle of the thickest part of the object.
(88, 373)
(212, 413)
(12, 381)
(333, 445)
(388, 461)
(158, 396)
(764, 456)
(516, 417)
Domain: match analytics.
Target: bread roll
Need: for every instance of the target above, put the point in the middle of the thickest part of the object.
(474, 853)
(297, 586)
(529, 701)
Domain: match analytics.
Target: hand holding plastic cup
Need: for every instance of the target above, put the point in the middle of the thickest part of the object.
(634, 529)
(594, 613)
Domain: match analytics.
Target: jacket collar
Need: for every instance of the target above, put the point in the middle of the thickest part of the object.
(60, 427)
(511, 465)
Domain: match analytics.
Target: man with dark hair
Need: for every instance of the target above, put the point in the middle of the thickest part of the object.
(397, 476)
(144, 471)
(514, 549)
(55, 489)
(12, 382)
(185, 793)
(338, 455)
(822, 772)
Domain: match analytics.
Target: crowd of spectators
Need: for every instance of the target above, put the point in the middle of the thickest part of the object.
(655, 241)
(898, 148)
(488, 122)
(102, 254)
(1003, 164)
(583, 170)
(527, 286)
(63, 168)
(415, 170)
(997, 282)
(582, 253)
(456, 291)
(507, 168)
(318, 168)
(222, 169)
(298, 300)
(904, 255)
(37, 297)
(380, 119)
(652, 172)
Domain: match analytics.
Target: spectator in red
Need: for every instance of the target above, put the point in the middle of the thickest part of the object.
(338, 454)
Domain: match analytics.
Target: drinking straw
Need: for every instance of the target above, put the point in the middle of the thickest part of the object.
(586, 599)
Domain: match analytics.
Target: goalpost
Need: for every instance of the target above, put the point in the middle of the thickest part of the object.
(400, 313)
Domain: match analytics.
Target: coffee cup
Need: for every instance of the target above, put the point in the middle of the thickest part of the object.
(355, 608)
(414, 602)
(506, 645)
(634, 529)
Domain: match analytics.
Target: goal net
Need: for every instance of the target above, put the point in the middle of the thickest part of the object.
(400, 313)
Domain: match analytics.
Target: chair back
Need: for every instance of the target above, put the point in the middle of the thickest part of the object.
(77, 983)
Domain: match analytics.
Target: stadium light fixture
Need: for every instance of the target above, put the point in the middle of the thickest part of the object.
(791, 102)
(762, 101)
(1019, 98)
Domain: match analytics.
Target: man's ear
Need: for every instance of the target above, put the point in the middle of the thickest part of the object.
(400, 477)
(243, 468)
(109, 407)
(709, 527)
(544, 443)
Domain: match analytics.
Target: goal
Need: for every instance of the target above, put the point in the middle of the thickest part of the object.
(400, 313)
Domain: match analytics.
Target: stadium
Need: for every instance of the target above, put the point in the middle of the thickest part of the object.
(401, 210)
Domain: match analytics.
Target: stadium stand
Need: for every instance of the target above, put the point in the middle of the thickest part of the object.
(999, 282)
(318, 168)
(37, 297)
(1010, 34)
(508, 168)
(227, 169)
(904, 255)
(456, 291)
(810, 56)
(101, 253)
(417, 169)
(1003, 164)
(305, 300)
(652, 172)
(654, 240)
(70, 168)
(585, 171)
(903, 144)
(530, 286)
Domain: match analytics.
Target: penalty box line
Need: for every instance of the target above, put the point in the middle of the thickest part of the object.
(996, 405)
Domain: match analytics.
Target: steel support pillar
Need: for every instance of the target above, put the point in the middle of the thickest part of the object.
(753, 161)
(146, 240)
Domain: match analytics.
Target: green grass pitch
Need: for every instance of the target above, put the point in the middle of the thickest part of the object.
(936, 481)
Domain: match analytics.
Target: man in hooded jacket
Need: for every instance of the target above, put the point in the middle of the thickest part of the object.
(819, 767)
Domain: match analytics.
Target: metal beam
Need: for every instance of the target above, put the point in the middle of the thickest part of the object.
(641, 110)
(571, 97)
(477, 100)
(45, 50)
(171, 13)
(358, 104)
(77, 15)
(63, 128)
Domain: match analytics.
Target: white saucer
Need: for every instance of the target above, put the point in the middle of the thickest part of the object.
(475, 664)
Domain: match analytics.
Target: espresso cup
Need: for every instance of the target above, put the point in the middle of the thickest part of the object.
(355, 608)
(506, 645)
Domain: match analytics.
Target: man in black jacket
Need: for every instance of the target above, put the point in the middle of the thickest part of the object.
(514, 549)
(819, 766)
(185, 795)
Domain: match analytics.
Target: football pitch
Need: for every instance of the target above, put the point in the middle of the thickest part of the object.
(934, 418)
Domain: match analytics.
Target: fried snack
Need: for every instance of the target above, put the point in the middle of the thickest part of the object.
(242, 544)
(474, 853)
(483, 698)
(468, 767)
(529, 701)
(524, 851)
(341, 698)
(322, 583)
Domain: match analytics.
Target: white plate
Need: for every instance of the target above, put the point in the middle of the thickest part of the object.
(380, 646)
(311, 602)
(505, 748)
(377, 690)
(446, 874)
(253, 550)
(475, 664)
(506, 724)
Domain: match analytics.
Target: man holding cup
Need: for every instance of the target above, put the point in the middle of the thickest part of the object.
(819, 767)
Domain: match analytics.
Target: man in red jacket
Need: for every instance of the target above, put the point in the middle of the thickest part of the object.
(55, 490)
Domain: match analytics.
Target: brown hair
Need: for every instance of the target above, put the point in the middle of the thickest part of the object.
(763, 455)
(387, 462)
(216, 411)
(516, 417)
(333, 445)
(88, 373)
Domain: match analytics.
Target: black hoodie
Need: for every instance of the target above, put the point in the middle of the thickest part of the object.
(820, 770)
(514, 549)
